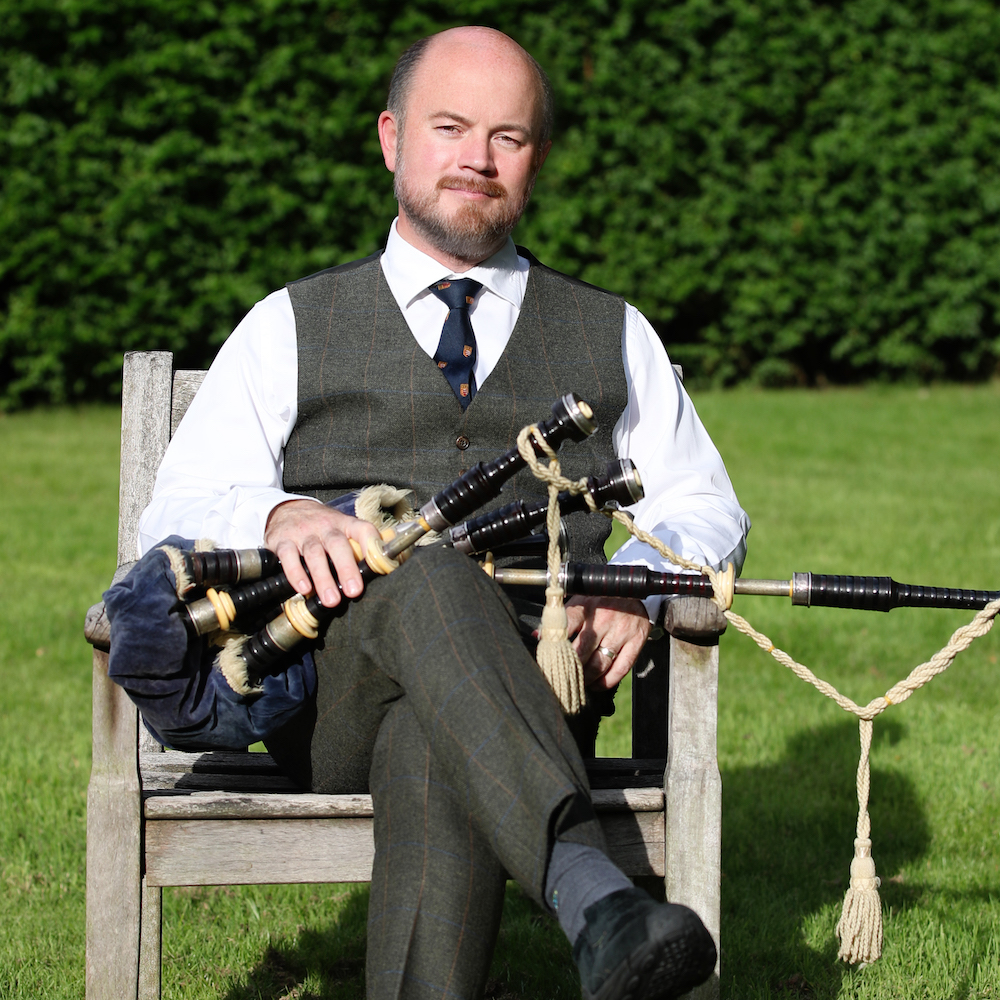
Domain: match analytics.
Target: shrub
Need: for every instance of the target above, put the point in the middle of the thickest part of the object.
(790, 191)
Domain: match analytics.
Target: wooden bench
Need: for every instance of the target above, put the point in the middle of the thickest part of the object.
(159, 818)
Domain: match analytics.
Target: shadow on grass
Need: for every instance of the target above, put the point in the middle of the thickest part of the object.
(787, 844)
(532, 958)
(331, 959)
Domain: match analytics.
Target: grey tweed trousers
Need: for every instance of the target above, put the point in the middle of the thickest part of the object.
(428, 697)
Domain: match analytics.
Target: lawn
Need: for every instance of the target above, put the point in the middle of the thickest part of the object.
(888, 481)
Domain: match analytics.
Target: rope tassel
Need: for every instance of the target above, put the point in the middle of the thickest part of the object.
(860, 926)
(859, 929)
(556, 656)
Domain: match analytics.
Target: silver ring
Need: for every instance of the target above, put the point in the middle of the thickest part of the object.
(607, 651)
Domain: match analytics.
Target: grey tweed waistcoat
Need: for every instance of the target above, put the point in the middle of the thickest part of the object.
(374, 408)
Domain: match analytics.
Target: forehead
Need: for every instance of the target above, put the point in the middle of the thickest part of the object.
(483, 83)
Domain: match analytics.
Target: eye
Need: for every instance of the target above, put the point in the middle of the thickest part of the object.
(508, 140)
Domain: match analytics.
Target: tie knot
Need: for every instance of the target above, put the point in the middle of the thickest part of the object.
(456, 293)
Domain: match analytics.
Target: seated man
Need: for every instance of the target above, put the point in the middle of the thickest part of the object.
(406, 368)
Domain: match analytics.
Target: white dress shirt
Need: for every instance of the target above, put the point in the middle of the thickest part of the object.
(222, 473)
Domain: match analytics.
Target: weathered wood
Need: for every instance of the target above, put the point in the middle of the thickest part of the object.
(628, 799)
(635, 841)
(177, 804)
(145, 432)
(694, 619)
(229, 818)
(150, 941)
(201, 781)
(253, 851)
(114, 844)
(97, 628)
(187, 382)
(148, 743)
(625, 772)
(693, 789)
(177, 762)
(264, 805)
(250, 852)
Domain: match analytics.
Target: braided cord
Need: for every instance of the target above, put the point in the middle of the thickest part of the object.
(860, 925)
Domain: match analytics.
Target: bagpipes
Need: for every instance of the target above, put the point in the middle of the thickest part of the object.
(243, 589)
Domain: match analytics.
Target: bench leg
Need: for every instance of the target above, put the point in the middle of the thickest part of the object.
(150, 942)
(693, 789)
(114, 844)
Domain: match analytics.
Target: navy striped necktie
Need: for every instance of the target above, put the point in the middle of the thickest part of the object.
(456, 350)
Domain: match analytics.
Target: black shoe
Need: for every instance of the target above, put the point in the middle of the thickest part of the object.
(633, 947)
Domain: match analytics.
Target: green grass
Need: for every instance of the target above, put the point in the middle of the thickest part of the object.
(893, 481)
(58, 516)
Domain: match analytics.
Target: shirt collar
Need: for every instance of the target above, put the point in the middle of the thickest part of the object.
(410, 272)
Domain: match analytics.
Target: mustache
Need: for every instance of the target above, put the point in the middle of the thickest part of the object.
(477, 185)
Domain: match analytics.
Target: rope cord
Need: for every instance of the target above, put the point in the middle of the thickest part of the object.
(556, 656)
(860, 926)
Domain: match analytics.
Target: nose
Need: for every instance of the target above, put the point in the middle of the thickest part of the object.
(477, 154)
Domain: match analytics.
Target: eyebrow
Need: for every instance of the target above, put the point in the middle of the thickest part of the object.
(462, 120)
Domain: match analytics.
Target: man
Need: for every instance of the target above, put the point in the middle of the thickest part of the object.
(407, 367)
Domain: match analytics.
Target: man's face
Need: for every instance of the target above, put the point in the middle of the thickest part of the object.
(467, 157)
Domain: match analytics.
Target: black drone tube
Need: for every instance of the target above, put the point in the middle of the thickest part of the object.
(263, 656)
(864, 593)
(631, 581)
(227, 566)
(881, 593)
(250, 602)
(620, 484)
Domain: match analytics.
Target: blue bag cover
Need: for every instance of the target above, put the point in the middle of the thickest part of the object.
(186, 703)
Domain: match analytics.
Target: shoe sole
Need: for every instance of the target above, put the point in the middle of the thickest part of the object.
(677, 955)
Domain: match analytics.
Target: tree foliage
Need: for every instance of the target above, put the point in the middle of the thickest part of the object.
(790, 190)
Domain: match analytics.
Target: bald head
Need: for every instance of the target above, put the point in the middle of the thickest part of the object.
(487, 43)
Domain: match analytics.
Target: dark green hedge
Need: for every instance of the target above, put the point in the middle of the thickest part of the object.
(791, 191)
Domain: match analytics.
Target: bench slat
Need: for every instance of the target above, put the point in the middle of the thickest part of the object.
(220, 805)
(200, 851)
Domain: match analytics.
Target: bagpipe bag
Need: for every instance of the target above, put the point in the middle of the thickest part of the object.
(185, 700)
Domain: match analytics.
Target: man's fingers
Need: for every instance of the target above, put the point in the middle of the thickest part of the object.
(301, 531)
(291, 564)
(316, 558)
(605, 670)
(345, 565)
(609, 632)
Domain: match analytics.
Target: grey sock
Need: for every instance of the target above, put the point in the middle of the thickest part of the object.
(578, 877)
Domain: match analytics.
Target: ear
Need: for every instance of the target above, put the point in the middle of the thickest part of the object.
(542, 154)
(387, 137)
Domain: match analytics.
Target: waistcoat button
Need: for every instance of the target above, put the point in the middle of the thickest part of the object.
(462, 442)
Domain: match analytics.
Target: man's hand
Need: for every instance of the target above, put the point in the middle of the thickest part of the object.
(604, 626)
(304, 531)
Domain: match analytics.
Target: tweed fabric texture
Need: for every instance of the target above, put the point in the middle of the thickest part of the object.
(374, 408)
(437, 886)
(427, 696)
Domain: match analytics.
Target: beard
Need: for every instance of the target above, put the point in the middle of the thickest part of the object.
(472, 233)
